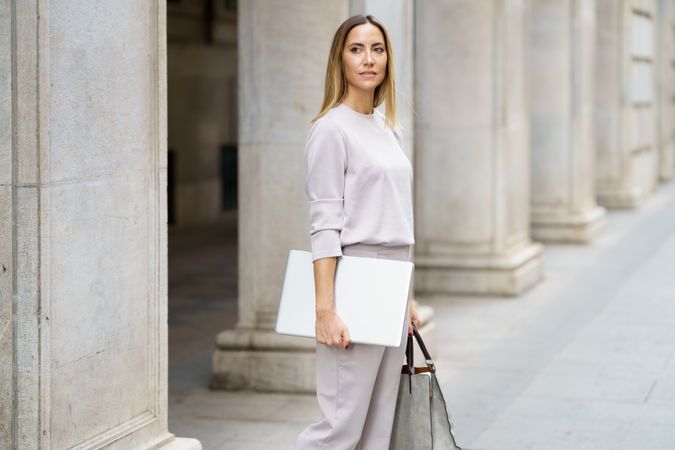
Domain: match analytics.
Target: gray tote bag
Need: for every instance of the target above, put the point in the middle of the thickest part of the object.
(421, 421)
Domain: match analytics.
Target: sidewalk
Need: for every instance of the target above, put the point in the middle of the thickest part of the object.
(582, 361)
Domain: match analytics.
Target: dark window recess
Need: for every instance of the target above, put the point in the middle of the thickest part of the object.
(171, 186)
(228, 176)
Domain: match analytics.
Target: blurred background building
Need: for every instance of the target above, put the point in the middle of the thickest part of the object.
(131, 127)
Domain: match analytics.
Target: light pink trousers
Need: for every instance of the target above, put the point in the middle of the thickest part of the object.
(357, 387)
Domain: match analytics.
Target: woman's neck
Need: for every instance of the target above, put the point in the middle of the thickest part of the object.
(361, 101)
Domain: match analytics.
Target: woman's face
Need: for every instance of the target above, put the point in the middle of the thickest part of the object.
(364, 57)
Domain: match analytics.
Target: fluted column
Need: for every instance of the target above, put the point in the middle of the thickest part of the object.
(625, 125)
(472, 149)
(665, 74)
(83, 279)
(562, 142)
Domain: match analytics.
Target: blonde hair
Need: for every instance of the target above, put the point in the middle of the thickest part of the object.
(336, 83)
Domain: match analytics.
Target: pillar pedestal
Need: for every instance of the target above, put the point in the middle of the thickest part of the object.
(507, 274)
(263, 360)
(575, 228)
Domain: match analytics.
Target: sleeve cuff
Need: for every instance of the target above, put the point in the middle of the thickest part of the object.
(326, 243)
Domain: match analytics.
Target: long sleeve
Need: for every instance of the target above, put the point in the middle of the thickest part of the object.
(326, 156)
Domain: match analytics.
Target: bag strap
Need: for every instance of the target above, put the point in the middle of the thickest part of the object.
(409, 357)
(425, 352)
(409, 368)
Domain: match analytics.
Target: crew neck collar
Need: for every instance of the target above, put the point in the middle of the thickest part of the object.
(353, 111)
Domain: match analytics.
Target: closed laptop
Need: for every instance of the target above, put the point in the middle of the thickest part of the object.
(371, 296)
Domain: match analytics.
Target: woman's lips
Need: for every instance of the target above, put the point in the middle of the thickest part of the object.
(368, 74)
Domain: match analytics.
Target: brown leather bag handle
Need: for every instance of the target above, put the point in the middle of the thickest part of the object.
(425, 352)
(409, 368)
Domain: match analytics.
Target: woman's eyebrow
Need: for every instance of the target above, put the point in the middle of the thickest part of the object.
(358, 44)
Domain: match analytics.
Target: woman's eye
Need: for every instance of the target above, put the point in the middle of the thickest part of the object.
(379, 50)
(354, 49)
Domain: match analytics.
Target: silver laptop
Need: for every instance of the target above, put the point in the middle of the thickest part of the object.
(371, 296)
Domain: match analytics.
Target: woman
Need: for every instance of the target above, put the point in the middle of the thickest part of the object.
(359, 184)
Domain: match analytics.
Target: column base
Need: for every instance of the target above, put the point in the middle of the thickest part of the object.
(182, 444)
(265, 361)
(507, 275)
(570, 228)
(613, 198)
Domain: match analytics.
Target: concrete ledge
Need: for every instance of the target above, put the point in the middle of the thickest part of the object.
(507, 275)
(571, 228)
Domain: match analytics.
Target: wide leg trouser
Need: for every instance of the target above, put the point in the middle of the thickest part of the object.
(357, 387)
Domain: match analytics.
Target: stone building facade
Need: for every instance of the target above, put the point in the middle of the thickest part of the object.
(525, 119)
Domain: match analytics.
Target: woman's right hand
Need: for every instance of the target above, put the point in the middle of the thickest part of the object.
(331, 330)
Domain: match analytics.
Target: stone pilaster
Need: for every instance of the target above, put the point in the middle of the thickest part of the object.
(83, 226)
(472, 149)
(665, 74)
(562, 142)
(625, 125)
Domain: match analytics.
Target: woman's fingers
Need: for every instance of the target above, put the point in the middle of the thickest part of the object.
(346, 338)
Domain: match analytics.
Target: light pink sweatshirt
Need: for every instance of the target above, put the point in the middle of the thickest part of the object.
(359, 183)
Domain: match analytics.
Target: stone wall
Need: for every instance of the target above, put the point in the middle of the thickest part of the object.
(83, 226)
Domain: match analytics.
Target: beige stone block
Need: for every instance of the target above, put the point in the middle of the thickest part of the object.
(25, 94)
(273, 218)
(6, 330)
(440, 180)
(453, 35)
(508, 275)
(26, 315)
(5, 94)
(263, 371)
(100, 307)
(297, 88)
(103, 88)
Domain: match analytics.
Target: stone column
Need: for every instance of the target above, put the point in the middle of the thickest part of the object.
(666, 88)
(398, 17)
(626, 156)
(562, 143)
(281, 77)
(83, 288)
(472, 149)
